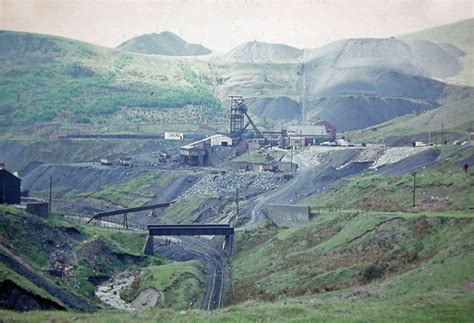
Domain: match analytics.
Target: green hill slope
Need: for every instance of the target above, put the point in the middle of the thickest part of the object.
(164, 43)
(343, 266)
(43, 78)
(29, 245)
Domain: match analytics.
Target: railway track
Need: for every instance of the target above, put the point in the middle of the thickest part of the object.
(215, 261)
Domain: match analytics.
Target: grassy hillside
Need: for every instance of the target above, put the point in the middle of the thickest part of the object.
(43, 78)
(459, 34)
(425, 308)
(376, 255)
(52, 79)
(342, 266)
(164, 43)
(444, 186)
(91, 255)
(46, 78)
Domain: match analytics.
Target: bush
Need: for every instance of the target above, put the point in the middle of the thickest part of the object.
(372, 272)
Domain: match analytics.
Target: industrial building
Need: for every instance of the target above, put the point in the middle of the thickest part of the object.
(125, 161)
(10, 187)
(244, 133)
(196, 153)
(242, 127)
(329, 128)
(310, 134)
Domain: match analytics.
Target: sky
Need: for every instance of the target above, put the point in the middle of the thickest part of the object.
(223, 24)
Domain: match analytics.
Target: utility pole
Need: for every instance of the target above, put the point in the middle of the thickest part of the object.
(291, 158)
(442, 133)
(237, 201)
(50, 192)
(414, 188)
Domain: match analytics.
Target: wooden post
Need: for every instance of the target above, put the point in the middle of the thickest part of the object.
(237, 202)
(50, 192)
(414, 189)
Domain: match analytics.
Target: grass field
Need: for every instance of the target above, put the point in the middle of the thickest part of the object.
(95, 254)
(46, 78)
(444, 186)
(320, 272)
(42, 75)
(360, 259)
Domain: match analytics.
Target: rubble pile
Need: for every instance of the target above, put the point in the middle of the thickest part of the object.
(246, 182)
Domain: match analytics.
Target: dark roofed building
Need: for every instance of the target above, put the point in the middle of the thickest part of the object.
(10, 184)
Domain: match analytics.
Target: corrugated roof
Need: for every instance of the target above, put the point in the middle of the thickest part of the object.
(191, 145)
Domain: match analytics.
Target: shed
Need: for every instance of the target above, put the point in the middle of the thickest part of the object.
(10, 187)
(196, 153)
(220, 140)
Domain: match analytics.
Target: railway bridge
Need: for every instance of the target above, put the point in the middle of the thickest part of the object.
(189, 230)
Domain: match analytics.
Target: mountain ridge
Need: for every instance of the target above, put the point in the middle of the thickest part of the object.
(164, 43)
(82, 82)
(262, 52)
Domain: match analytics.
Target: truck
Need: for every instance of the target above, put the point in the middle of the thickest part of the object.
(105, 161)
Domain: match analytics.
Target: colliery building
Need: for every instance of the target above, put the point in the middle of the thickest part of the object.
(310, 134)
(10, 187)
(196, 153)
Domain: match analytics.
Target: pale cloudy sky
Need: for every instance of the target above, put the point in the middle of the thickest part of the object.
(222, 24)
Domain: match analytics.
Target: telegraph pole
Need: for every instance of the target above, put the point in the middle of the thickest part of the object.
(414, 188)
(50, 192)
(237, 201)
(442, 133)
(291, 158)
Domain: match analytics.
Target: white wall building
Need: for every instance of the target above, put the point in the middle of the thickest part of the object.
(220, 140)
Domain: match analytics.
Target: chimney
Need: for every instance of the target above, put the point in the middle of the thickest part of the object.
(2, 166)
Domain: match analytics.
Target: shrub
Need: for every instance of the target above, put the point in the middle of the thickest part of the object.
(372, 272)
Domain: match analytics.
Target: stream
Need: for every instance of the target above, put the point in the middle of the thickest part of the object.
(109, 292)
